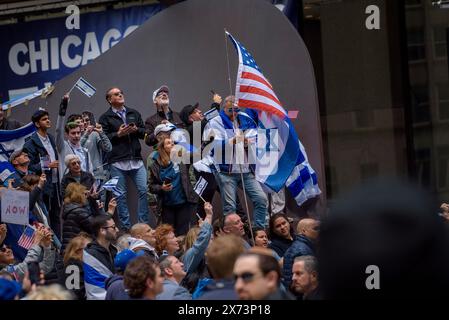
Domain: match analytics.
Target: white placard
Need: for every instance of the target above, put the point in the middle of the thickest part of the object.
(15, 207)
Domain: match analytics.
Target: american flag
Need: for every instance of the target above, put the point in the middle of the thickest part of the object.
(291, 167)
(253, 90)
(276, 160)
(27, 238)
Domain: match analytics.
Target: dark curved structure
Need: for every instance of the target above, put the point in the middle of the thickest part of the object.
(184, 47)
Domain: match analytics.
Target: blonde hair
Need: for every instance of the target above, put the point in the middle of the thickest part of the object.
(191, 237)
(164, 157)
(74, 245)
(51, 292)
(75, 192)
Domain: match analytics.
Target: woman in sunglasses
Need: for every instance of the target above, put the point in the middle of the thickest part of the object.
(75, 174)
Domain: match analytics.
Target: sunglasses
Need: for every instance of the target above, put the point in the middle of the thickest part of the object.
(4, 248)
(245, 276)
(118, 93)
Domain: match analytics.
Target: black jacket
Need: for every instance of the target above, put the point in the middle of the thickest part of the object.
(126, 147)
(280, 244)
(153, 121)
(101, 254)
(86, 179)
(76, 218)
(35, 149)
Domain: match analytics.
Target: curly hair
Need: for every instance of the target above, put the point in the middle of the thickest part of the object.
(161, 234)
(136, 274)
(75, 192)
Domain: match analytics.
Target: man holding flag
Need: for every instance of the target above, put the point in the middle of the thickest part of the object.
(281, 159)
(231, 166)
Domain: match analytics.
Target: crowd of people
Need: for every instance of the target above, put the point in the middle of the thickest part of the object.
(85, 246)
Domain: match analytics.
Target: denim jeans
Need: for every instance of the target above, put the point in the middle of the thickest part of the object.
(228, 184)
(139, 178)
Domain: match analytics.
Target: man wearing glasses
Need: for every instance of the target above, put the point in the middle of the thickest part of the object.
(258, 277)
(98, 257)
(124, 127)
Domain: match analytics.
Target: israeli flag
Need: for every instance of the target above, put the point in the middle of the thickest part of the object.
(200, 186)
(11, 140)
(111, 185)
(85, 87)
(303, 182)
(95, 275)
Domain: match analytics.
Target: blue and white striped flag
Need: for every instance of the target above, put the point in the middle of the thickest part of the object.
(303, 182)
(111, 185)
(85, 87)
(281, 158)
(95, 275)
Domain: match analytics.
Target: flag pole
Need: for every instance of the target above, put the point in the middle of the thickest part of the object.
(235, 129)
(73, 87)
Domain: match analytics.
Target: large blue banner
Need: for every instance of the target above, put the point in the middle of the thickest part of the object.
(33, 54)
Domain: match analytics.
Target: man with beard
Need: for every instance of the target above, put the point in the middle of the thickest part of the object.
(163, 115)
(98, 257)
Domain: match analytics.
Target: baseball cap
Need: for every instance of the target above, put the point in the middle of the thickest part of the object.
(161, 88)
(15, 154)
(124, 257)
(164, 127)
(187, 111)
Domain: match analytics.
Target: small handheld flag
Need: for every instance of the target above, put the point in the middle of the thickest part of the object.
(111, 185)
(200, 186)
(85, 87)
(27, 238)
